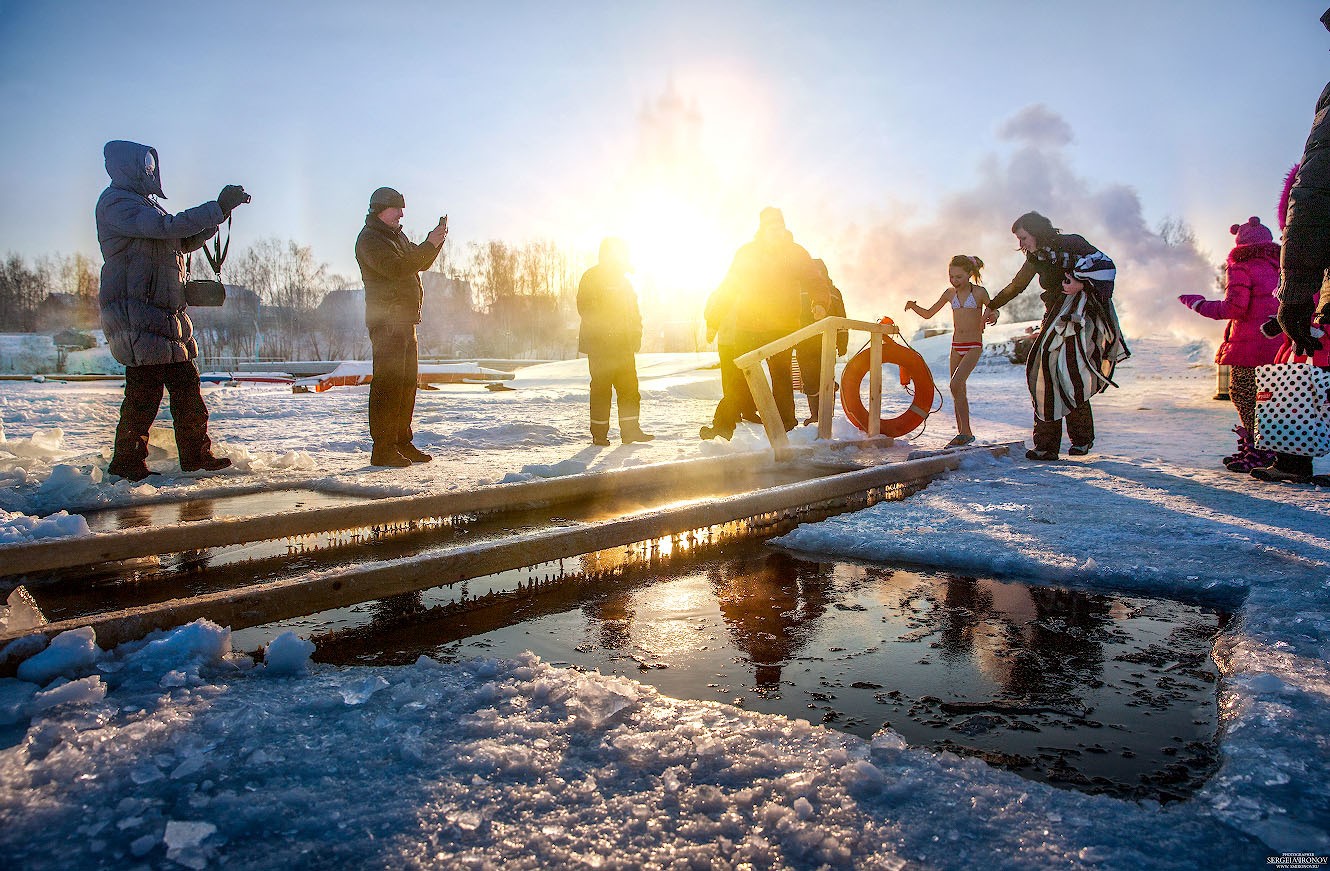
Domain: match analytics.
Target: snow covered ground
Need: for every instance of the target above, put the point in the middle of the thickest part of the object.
(177, 752)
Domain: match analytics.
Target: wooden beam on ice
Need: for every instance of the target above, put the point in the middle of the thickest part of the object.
(58, 553)
(295, 597)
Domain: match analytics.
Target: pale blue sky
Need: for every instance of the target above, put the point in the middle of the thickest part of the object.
(515, 117)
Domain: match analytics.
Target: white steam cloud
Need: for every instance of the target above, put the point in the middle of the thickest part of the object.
(905, 255)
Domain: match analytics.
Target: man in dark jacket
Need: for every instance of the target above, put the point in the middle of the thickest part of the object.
(1306, 252)
(1305, 265)
(770, 291)
(611, 336)
(142, 303)
(390, 267)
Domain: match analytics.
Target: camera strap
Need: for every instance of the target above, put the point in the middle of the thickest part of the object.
(217, 256)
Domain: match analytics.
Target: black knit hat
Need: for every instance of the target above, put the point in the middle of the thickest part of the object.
(386, 198)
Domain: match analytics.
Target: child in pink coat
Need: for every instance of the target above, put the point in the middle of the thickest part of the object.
(1252, 274)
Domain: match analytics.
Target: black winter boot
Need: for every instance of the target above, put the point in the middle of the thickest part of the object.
(205, 463)
(132, 470)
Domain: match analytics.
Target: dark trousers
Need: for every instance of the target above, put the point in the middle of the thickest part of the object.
(781, 369)
(1080, 429)
(736, 400)
(614, 373)
(809, 354)
(392, 392)
(143, 397)
(779, 366)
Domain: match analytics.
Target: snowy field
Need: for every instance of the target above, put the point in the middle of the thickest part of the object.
(177, 752)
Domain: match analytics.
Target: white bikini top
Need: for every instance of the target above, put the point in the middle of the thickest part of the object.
(972, 302)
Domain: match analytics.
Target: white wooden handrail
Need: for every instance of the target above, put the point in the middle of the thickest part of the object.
(760, 385)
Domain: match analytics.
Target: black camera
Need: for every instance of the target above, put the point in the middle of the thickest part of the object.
(1271, 328)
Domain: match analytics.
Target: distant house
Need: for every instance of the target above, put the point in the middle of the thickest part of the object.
(448, 321)
(67, 311)
(340, 318)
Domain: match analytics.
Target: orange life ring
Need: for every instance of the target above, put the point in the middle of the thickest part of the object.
(913, 369)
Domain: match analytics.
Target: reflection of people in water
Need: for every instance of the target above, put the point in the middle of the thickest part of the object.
(1063, 643)
(1052, 639)
(771, 605)
(612, 614)
(967, 606)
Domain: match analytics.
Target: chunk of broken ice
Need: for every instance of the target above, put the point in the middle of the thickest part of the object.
(20, 612)
(288, 653)
(357, 692)
(68, 653)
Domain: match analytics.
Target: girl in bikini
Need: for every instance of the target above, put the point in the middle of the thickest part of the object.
(969, 303)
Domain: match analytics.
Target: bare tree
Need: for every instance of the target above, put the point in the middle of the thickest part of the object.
(22, 289)
(290, 283)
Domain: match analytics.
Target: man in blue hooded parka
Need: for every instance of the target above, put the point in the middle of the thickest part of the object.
(143, 306)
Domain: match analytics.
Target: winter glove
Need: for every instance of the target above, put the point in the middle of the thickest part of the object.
(1191, 300)
(231, 196)
(1296, 319)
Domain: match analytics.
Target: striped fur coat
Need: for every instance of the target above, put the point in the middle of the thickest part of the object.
(1075, 354)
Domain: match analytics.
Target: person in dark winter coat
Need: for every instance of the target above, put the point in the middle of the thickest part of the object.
(390, 267)
(769, 290)
(1304, 266)
(1306, 250)
(142, 301)
(1250, 277)
(611, 336)
(1051, 255)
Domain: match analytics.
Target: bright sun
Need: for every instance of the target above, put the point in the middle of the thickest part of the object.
(680, 249)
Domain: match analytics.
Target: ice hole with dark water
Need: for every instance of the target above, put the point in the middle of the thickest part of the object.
(1086, 690)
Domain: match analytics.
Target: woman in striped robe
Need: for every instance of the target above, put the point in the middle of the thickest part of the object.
(1078, 348)
(1049, 255)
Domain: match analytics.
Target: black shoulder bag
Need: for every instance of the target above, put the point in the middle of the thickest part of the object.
(205, 291)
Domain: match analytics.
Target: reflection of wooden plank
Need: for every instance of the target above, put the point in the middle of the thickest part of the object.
(760, 387)
(294, 597)
(57, 553)
(875, 386)
(826, 390)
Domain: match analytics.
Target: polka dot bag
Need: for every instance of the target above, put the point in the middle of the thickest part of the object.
(1293, 407)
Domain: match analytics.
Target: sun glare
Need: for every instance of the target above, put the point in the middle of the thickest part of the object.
(680, 250)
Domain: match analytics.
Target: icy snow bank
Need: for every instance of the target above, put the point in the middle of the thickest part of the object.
(20, 527)
(195, 757)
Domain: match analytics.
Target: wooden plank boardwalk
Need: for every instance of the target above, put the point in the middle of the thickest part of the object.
(344, 585)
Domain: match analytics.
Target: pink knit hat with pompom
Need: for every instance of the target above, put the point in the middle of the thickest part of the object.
(1252, 232)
